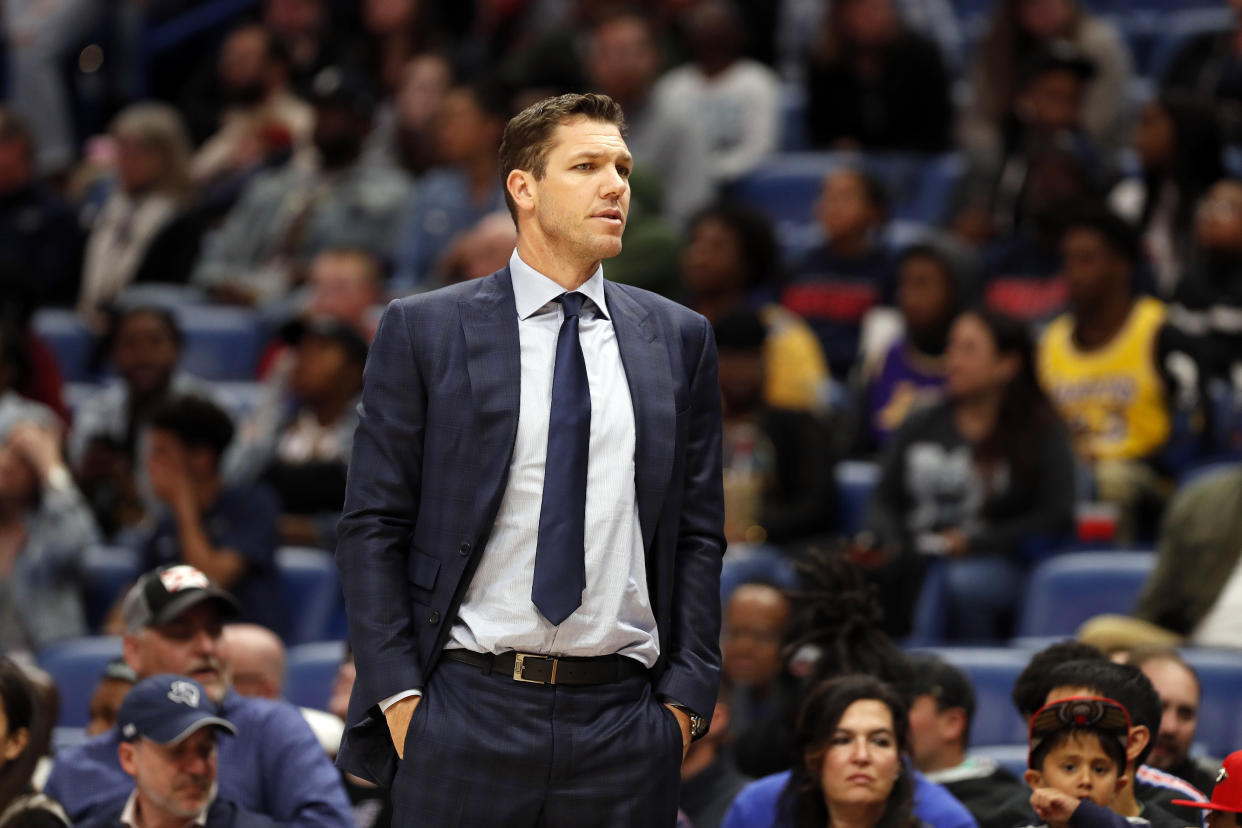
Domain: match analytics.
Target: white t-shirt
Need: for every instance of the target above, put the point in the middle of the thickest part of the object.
(1222, 626)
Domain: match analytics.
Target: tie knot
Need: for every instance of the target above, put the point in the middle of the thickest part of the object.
(572, 303)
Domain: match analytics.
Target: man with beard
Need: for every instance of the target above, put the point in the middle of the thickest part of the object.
(169, 729)
(287, 216)
(174, 621)
(253, 76)
(1178, 686)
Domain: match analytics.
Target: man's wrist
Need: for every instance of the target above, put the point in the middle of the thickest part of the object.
(384, 704)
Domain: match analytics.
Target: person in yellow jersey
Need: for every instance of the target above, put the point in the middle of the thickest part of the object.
(1116, 372)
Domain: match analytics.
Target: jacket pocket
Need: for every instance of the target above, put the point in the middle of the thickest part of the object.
(422, 570)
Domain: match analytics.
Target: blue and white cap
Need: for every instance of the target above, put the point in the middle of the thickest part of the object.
(167, 709)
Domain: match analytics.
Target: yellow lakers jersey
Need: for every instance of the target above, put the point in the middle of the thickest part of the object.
(1112, 398)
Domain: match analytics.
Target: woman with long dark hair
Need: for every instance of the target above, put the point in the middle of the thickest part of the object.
(851, 738)
(979, 483)
(20, 805)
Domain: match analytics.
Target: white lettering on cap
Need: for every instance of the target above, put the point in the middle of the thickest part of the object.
(177, 578)
(183, 692)
(1222, 776)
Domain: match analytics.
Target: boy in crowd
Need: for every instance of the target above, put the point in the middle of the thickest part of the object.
(1078, 763)
(1225, 809)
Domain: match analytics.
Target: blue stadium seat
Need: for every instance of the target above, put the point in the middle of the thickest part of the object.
(310, 590)
(69, 340)
(1172, 30)
(221, 343)
(76, 664)
(1065, 591)
(856, 480)
(1220, 715)
(1010, 757)
(786, 187)
(310, 672)
(106, 572)
(992, 671)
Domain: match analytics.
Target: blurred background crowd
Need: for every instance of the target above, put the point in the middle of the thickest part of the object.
(974, 269)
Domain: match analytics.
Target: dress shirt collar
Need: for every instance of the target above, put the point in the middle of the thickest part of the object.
(129, 815)
(532, 290)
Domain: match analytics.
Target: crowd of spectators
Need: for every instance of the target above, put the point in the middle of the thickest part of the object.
(1059, 334)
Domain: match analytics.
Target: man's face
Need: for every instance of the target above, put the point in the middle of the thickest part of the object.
(622, 60)
(179, 779)
(845, 210)
(105, 705)
(1221, 819)
(1053, 101)
(145, 353)
(321, 366)
(1080, 768)
(189, 645)
(1091, 267)
(741, 380)
(930, 730)
(582, 201)
(754, 629)
(924, 293)
(243, 65)
(463, 129)
(1179, 698)
(342, 288)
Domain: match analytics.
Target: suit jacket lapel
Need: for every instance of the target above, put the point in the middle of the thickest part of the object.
(490, 326)
(650, 377)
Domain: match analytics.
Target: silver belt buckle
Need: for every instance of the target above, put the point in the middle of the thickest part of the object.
(519, 666)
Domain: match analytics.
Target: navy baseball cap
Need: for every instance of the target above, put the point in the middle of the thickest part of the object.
(167, 709)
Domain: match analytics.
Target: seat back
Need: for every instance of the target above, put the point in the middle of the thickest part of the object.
(311, 669)
(311, 591)
(76, 664)
(1065, 591)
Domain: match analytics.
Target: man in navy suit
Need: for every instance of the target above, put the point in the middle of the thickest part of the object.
(533, 527)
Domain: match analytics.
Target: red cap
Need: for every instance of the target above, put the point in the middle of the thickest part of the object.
(1227, 795)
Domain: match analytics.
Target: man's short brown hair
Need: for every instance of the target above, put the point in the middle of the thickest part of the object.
(528, 135)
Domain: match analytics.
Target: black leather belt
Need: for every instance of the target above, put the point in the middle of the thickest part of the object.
(541, 669)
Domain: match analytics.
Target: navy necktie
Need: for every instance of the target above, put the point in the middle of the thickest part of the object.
(560, 555)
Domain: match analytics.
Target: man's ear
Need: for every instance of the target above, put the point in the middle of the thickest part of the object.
(125, 752)
(953, 724)
(1122, 781)
(1034, 779)
(521, 186)
(1139, 738)
(16, 743)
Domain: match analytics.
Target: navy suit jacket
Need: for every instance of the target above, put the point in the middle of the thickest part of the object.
(436, 431)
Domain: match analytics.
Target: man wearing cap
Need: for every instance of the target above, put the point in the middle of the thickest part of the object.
(174, 620)
(169, 728)
(289, 215)
(1225, 808)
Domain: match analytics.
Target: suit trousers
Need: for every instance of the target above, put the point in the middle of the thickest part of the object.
(485, 750)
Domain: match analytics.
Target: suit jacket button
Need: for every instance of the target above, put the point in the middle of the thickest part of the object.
(434, 618)
(464, 549)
